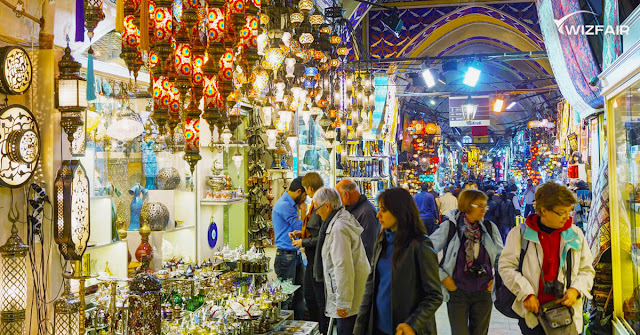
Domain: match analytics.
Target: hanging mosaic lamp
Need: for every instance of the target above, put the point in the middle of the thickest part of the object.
(183, 62)
(163, 32)
(192, 136)
(93, 15)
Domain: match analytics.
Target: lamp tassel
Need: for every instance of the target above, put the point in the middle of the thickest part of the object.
(144, 26)
(79, 20)
(120, 16)
(91, 77)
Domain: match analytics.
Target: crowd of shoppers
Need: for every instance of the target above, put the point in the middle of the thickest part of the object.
(377, 272)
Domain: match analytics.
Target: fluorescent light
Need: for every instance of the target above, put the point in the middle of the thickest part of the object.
(471, 77)
(428, 78)
(459, 144)
(513, 103)
(433, 102)
(497, 105)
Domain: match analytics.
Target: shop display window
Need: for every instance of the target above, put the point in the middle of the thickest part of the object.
(626, 118)
(313, 155)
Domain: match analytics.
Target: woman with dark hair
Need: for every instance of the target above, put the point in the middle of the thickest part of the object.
(403, 289)
(470, 245)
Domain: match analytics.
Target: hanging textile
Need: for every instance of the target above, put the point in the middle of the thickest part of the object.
(570, 56)
(611, 44)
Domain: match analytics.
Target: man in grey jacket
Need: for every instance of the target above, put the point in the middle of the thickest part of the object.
(345, 265)
(363, 210)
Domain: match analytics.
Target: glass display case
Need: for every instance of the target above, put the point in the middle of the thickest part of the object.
(313, 156)
(624, 170)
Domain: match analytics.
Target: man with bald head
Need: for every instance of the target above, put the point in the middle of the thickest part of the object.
(363, 210)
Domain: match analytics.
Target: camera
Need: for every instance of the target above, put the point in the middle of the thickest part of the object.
(554, 288)
(477, 271)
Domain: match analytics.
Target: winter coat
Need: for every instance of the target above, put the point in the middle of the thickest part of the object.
(365, 214)
(526, 283)
(415, 289)
(492, 212)
(345, 264)
(506, 215)
(491, 243)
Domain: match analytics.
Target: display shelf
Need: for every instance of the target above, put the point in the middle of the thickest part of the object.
(364, 178)
(279, 170)
(104, 245)
(180, 228)
(221, 203)
(367, 158)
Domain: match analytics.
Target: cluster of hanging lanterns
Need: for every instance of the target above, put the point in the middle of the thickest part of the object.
(303, 72)
(195, 53)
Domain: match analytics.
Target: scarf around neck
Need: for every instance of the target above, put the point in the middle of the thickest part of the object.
(473, 232)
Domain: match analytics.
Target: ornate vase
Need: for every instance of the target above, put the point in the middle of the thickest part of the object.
(150, 165)
(168, 179)
(136, 205)
(156, 215)
(145, 317)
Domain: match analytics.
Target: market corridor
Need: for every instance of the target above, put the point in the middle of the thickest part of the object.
(500, 324)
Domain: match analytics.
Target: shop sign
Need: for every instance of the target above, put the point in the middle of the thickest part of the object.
(482, 117)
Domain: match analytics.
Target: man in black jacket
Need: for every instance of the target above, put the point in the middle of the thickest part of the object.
(363, 210)
(312, 289)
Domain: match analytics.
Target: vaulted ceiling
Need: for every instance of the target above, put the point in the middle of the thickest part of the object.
(462, 30)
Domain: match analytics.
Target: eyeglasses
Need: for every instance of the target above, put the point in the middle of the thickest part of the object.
(562, 215)
(478, 206)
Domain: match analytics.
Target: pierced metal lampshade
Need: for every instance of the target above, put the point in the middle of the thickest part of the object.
(13, 285)
(66, 318)
(71, 210)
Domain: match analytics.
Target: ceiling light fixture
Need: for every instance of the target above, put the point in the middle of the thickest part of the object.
(393, 22)
(427, 75)
(511, 105)
(472, 75)
(498, 104)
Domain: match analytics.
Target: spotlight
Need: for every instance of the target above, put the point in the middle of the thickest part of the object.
(498, 104)
(433, 102)
(429, 80)
(472, 75)
(393, 22)
(511, 105)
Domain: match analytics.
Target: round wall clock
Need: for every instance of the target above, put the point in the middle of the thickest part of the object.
(15, 70)
(71, 207)
(19, 146)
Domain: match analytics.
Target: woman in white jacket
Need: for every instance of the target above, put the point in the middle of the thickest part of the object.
(552, 238)
(344, 260)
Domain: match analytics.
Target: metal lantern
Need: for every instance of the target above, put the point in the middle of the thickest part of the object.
(13, 285)
(15, 70)
(19, 146)
(66, 318)
(144, 305)
(71, 210)
(469, 110)
(72, 94)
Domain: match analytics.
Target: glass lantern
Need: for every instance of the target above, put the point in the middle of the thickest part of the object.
(13, 285)
(66, 319)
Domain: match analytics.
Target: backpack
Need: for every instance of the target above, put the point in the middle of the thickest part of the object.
(504, 299)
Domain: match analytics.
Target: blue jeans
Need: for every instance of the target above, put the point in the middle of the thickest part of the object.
(504, 231)
(429, 224)
(288, 265)
(345, 326)
(528, 209)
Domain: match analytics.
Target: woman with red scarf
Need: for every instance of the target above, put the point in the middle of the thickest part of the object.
(548, 276)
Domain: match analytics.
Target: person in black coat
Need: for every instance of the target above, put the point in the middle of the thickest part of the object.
(403, 289)
(491, 213)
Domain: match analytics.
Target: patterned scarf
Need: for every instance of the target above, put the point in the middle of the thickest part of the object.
(473, 232)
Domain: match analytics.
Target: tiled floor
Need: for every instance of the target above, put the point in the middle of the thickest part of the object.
(500, 324)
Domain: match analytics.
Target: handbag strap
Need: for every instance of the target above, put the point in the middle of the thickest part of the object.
(569, 266)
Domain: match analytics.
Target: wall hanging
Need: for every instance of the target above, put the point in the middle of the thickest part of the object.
(19, 146)
(15, 70)
(71, 210)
